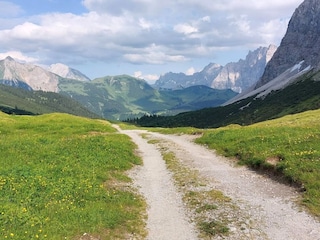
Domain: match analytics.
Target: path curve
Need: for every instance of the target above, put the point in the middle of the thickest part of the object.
(267, 201)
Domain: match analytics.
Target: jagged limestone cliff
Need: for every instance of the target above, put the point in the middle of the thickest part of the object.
(300, 43)
(237, 76)
(243, 74)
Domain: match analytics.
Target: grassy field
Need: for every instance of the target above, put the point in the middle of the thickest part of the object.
(62, 176)
(289, 146)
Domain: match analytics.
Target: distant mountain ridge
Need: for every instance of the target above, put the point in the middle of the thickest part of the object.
(237, 76)
(112, 97)
(30, 76)
(122, 97)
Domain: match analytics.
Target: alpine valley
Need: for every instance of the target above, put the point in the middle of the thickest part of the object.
(124, 97)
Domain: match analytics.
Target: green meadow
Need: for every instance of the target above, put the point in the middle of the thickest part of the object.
(62, 176)
(288, 146)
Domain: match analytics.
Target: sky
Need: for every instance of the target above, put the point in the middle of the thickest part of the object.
(141, 38)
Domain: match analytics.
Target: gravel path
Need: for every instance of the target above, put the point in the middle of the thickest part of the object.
(166, 214)
(269, 204)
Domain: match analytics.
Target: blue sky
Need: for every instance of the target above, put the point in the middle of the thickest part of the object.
(143, 38)
(34, 7)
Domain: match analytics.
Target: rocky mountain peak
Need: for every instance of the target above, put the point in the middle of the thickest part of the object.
(241, 75)
(237, 76)
(212, 68)
(300, 43)
(59, 67)
(67, 72)
(16, 74)
(8, 58)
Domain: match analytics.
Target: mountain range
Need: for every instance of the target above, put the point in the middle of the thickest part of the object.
(111, 97)
(122, 97)
(237, 76)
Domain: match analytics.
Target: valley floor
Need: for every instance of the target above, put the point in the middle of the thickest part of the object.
(258, 207)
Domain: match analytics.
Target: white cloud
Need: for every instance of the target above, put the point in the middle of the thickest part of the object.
(150, 78)
(190, 71)
(8, 9)
(145, 24)
(147, 31)
(241, 23)
(248, 5)
(18, 56)
(185, 29)
(135, 7)
(206, 19)
(154, 54)
(153, 58)
(267, 29)
(89, 35)
(137, 74)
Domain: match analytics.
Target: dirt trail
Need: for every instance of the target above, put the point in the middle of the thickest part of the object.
(166, 214)
(269, 204)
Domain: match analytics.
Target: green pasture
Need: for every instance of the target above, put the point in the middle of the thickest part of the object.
(62, 176)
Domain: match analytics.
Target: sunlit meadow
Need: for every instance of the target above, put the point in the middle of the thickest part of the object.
(61, 177)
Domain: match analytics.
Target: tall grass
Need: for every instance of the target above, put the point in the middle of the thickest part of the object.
(288, 145)
(60, 177)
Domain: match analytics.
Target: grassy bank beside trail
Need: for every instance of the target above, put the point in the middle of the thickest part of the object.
(62, 176)
(288, 145)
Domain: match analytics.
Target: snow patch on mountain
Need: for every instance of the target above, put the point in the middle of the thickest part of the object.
(278, 83)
